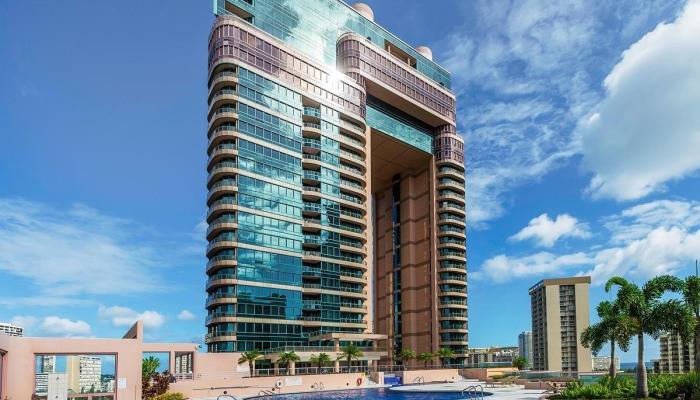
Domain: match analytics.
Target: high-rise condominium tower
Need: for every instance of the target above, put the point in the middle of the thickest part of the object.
(560, 314)
(336, 184)
(525, 346)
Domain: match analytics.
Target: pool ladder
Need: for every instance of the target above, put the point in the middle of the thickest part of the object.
(474, 392)
(266, 393)
(419, 380)
(317, 386)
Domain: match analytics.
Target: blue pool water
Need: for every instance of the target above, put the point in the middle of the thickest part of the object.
(363, 394)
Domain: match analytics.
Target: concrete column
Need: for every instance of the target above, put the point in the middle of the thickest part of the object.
(374, 365)
(292, 368)
(171, 362)
(277, 368)
(336, 366)
(336, 345)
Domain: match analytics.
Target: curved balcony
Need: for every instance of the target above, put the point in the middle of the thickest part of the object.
(450, 172)
(220, 337)
(220, 317)
(351, 307)
(350, 172)
(452, 197)
(449, 184)
(222, 245)
(353, 144)
(221, 188)
(219, 207)
(353, 217)
(217, 227)
(218, 280)
(218, 262)
(453, 291)
(311, 127)
(352, 159)
(312, 114)
(451, 219)
(221, 170)
(222, 78)
(223, 116)
(221, 298)
(453, 280)
(222, 133)
(226, 97)
(223, 150)
(453, 304)
(451, 207)
(353, 247)
(317, 257)
(455, 245)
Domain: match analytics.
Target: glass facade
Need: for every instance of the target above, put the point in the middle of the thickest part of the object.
(314, 26)
(288, 201)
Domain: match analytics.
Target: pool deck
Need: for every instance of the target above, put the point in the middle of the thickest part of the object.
(499, 392)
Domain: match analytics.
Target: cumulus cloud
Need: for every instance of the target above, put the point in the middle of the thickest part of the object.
(546, 231)
(646, 132)
(185, 315)
(646, 240)
(56, 326)
(124, 316)
(503, 268)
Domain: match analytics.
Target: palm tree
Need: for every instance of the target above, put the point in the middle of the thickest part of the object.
(691, 296)
(149, 366)
(349, 352)
(445, 353)
(250, 357)
(520, 363)
(406, 355)
(288, 357)
(650, 315)
(614, 327)
(320, 360)
(426, 358)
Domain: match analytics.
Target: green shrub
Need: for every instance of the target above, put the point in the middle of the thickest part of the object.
(170, 396)
(606, 388)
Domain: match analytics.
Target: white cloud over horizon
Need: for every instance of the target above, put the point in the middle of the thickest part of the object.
(646, 132)
(52, 326)
(124, 316)
(645, 240)
(185, 315)
(545, 231)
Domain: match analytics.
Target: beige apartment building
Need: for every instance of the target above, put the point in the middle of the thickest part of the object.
(675, 357)
(336, 185)
(560, 313)
(490, 357)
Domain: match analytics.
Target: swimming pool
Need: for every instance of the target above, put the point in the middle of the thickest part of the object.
(362, 394)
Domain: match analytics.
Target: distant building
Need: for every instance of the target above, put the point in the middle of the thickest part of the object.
(525, 346)
(12, 330)
(602, 363)
(560, 313)
(84, 374)
(491, 357)
(45, 366)
(675, 357)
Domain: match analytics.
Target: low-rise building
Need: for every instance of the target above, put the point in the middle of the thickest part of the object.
(602, 363)
(11, 330)
(491, 357)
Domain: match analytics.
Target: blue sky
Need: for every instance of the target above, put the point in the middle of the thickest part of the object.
(581, 122)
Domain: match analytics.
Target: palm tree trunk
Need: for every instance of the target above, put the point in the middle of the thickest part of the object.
(697, 347)
(642, 387)
(613, 370)
(252, 368)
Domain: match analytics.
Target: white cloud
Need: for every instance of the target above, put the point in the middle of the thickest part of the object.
(75, 251)
(185, 316)
(646, 240)
(526, 73)
(124, 316)
(55, 326)
(27, 322)
(646, 132)
(661, 251)
(545, 231)
(503, 268)
(637, 221)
